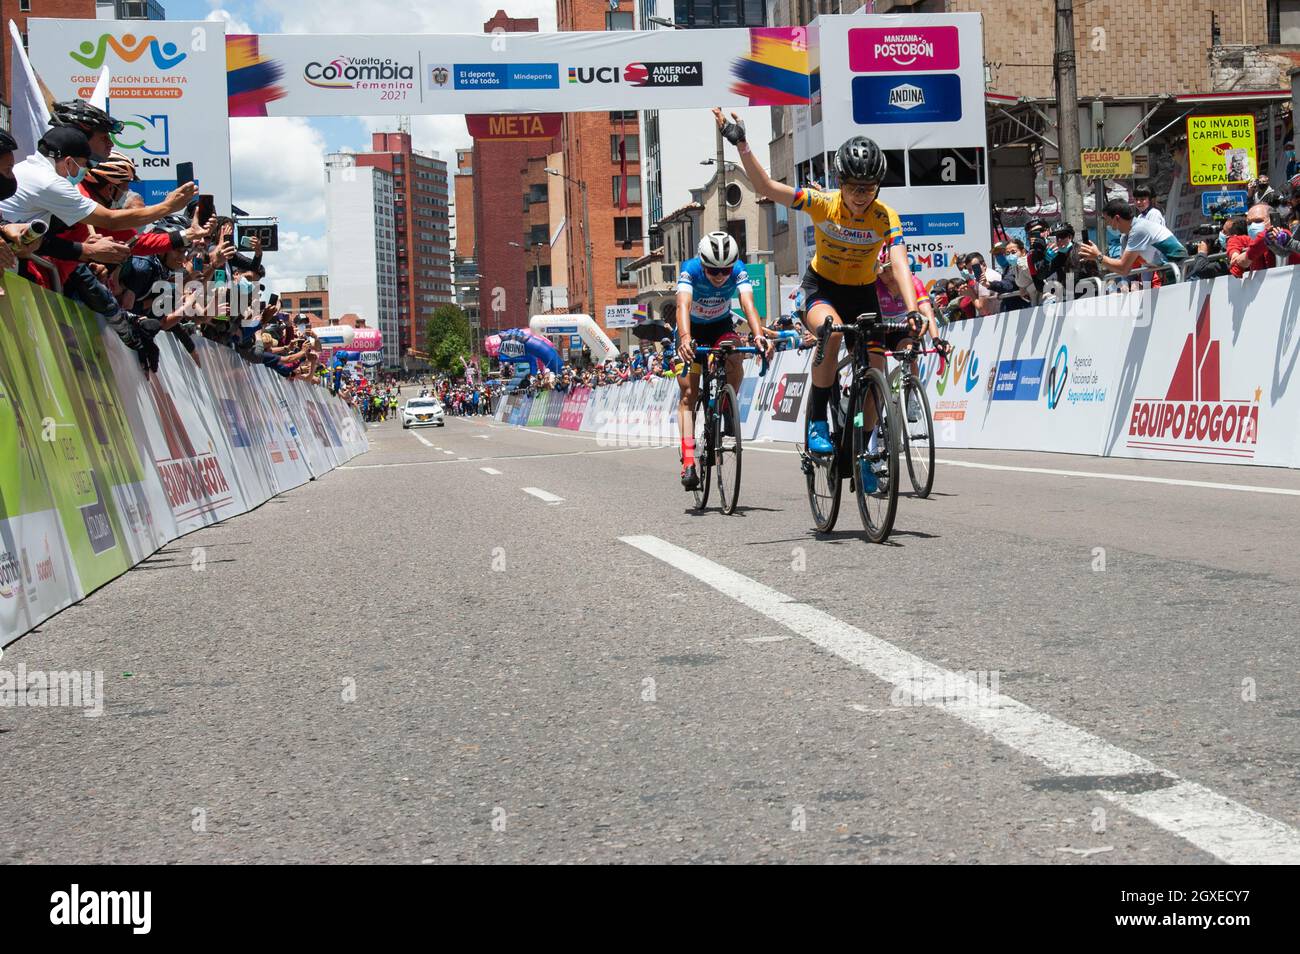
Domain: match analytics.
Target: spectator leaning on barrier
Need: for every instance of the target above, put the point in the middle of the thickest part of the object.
(1206, 266)
(1251, 252)
(1145, 241)
(1016, 288)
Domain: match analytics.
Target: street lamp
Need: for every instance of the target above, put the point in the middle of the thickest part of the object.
(536, 248)
(586, 235)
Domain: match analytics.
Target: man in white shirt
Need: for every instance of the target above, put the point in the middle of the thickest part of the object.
(47, 188)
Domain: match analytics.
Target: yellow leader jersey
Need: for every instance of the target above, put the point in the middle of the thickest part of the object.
(847, 245)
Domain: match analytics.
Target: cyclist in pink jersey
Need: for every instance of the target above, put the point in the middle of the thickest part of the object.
(892, 307)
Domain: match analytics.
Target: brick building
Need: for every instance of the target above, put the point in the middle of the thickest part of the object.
(422, 222)
(507, 161)
(313, 301)
(590, 144)
(20, 11)
(465, 265)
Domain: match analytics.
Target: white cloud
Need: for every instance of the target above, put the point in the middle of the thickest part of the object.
(234, 23)
(299, 256)
(277, 165)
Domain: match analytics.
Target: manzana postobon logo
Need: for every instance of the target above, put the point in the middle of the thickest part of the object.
(130, 48)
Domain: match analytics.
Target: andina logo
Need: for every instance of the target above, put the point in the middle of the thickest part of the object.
(906, 97)
(1192, 418)
(364, 72)
(130, 49)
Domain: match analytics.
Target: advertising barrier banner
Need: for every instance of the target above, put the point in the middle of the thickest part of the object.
(100, 466)
(1198, 371)
(374, 75)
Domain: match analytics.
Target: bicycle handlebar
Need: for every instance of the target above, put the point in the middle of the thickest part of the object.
(704, 349)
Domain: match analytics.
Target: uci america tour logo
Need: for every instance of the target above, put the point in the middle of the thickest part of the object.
(130, 48)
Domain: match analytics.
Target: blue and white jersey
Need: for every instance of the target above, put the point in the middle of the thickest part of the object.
(710, 302)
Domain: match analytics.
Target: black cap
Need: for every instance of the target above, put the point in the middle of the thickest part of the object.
(63, 142)
(1065, 228)
(1034, 224)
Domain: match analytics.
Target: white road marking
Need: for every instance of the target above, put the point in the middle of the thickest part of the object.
(491, 470)
(486, 437)
(1136, 478)
(540, 494)
(1226, 829)
(450, 453)
(422, 440)
(767, 639)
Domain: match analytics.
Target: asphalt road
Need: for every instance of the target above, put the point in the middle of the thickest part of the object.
(416, 659)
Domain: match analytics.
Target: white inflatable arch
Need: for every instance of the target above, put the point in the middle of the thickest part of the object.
(602, 349)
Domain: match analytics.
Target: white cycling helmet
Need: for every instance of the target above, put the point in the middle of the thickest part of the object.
(718, 250)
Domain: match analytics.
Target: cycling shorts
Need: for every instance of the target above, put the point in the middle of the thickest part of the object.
(849, 301)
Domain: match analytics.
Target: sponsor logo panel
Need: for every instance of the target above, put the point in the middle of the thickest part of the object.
(910, 99)
(1193, 417)
(873, 50)
(1018, 379)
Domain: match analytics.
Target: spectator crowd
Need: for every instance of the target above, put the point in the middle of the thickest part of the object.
(72, 224)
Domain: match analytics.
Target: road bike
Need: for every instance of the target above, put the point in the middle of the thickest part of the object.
(914, 411)
(865, 431)
(717, 427)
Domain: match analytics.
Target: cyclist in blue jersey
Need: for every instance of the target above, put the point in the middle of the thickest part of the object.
(704, 292)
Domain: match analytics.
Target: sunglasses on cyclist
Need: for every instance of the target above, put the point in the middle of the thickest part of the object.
(859, 186)
(718, 272)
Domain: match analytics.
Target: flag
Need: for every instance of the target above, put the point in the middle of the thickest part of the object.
(30, 113)
(622, 171)
(100, 96)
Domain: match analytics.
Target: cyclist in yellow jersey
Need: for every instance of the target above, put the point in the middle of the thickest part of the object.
(852, 226)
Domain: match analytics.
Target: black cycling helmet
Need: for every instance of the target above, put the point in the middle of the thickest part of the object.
(81, 115)
(7, 142)
(860, 158)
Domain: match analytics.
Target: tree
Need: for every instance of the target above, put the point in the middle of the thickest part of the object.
(446, 321)
(450, 352)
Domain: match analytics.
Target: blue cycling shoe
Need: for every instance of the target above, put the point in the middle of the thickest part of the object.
(868, 477)
(819, 438)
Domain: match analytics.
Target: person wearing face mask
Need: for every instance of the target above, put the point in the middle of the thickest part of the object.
(1145, 241)
(1250, 252)
(1016, 287)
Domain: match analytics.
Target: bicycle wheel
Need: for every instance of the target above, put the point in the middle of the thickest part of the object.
(879, 457)
(728, 450)
(918, 438)
(703, 449)
(823, 478)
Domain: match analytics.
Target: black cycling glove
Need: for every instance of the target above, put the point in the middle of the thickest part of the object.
(734, 132)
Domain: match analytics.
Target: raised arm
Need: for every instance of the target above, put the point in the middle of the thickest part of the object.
(765, 185)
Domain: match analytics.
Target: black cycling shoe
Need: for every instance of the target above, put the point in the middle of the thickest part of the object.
(690, 477)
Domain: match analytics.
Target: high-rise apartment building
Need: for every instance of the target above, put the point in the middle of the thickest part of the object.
(598, 147)
(422, 220)
(465, 265)
(361, 237)
(509, 201)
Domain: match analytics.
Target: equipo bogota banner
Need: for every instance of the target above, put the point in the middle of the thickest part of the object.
(302, 75)
(168, 87)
